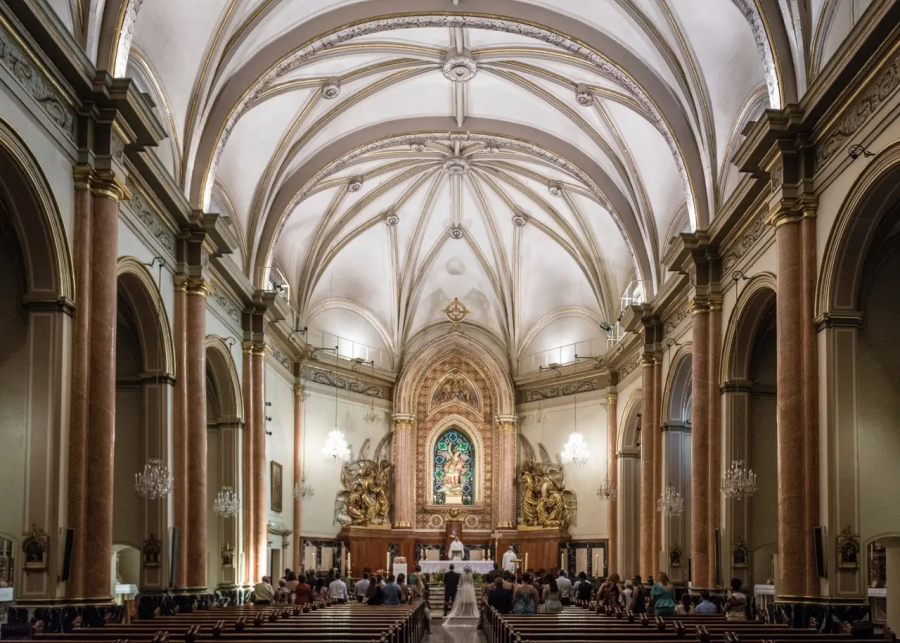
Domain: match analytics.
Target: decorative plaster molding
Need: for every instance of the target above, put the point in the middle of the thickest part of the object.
(629, 368)
(562, 390)
(344, 383)
(150, 217)
(745, 242)
(223, 302)
(861, 110)
(675, 320)
(32, 80)
(285, 360)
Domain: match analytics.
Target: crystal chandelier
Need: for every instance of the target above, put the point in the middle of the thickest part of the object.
(608, 490)
(670, 503)
(226, 503)
(303, 489)
(576, 452)
(336, 447)
(155, 481)
(738, 482)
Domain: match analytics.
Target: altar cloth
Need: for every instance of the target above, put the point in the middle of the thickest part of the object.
(432, 566)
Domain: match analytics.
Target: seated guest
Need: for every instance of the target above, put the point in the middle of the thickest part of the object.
(303, 592)
(736, 602)
(627, 595)
(706, 606)
(585, 589)
(401, 582)
(376, 584)
(685, 608)
(263, 594)
(337, 591)
(291, 582)
(500, 597)
(393, 595)
(639, 601)
(525, 598)
(320, 593)
(362, 587)
(609, 593)
(565, 587)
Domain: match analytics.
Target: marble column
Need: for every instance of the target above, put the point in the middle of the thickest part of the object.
(714, 514)
(791, 479)
(809, 353)
(648, 464)
(196, 550)
(299, 391)
(404, 470)
(81, 335)
(101, 412)
(247, 478)
(506, 481)
(700, 550)
(612, 464)
(179, 428)
(260, 469)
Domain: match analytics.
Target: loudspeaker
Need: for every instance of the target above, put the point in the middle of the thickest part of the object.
(819, 540)
(718, 554)
(176, 553)
(67, 556)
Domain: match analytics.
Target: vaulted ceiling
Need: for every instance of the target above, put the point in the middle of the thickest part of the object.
(531, 157)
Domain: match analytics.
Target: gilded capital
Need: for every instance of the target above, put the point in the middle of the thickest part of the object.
(612, 398)
(198, 286)
(107, 184)
(699, 308)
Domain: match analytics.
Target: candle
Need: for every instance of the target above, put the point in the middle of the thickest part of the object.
(526, 562)
(349, 566)
(562, 560)
(387, 565)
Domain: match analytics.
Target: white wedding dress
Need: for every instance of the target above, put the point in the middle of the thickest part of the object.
(465, 607)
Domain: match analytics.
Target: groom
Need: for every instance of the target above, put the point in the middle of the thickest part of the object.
(451, 584)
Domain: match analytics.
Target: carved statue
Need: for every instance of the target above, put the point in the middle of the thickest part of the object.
(365, 498)
(545, 500)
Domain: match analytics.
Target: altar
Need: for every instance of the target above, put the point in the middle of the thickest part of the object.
(432, 566)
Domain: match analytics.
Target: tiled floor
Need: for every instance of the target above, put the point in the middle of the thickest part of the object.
(440, 634)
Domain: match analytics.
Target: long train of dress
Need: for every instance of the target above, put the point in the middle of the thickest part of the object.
(465, 607)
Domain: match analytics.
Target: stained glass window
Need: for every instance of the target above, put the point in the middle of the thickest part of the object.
(454, 469)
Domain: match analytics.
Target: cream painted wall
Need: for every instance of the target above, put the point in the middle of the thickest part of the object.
(213, 531)
(878, 407)
(280, 445)
(323, 475)
(128, 524)
(592, 519)
(13, 394)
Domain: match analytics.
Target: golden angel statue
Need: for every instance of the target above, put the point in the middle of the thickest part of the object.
(365, 498)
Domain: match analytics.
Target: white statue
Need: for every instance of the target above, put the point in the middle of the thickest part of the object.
(509, 561)
(456, 549)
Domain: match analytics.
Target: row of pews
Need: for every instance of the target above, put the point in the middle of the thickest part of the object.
(584, 624)
(351, 622)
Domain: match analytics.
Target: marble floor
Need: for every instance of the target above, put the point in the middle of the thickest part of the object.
(440, 634)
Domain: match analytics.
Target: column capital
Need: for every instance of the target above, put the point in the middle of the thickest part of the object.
(506, 422)
(403, 421)
(612, 397)
(299, 390)
(197, 286)
(107, 184)
(699, 308)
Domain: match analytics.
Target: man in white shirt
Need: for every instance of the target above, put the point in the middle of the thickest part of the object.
(338, 590)
(565, 588)
(362, 586)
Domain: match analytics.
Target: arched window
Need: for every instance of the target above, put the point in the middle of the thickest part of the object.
(454, 469)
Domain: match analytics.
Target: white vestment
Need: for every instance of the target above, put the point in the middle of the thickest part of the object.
(456, 550)
(465, 607)
(509, 564)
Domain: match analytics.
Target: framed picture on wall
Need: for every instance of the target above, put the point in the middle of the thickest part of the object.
(277, 487)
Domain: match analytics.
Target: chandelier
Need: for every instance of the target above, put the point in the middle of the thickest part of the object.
(226, 503)
(576, 452)
(154, 481)
(738, 482)
(336, 447)
(608, 490)
(670, 503)
(303, 489)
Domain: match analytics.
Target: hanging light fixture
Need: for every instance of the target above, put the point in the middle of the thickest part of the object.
(155, 481)
(539, 417)
(575, 452)
(336, 446)
(671, 503)
(738, 482)
(227, 504)
(608, 490)
(372, 417)
(303, 489)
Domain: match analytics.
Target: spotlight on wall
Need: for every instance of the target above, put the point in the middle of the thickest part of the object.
(857, 150)
(269, 433)
(606, 326)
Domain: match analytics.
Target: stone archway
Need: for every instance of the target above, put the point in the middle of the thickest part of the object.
(36, 299)
(629, 484)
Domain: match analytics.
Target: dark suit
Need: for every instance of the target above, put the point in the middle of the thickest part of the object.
(451, 583)
(500, 599)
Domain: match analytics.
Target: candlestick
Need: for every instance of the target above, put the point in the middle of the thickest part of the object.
(562, 560)
(349, 566)
(387, 565)
(526, 563)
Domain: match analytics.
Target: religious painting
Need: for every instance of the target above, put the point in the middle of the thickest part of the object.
(152, 552)
(277, 487)
(848, 549)
(455, 387)
(35, 546)
(675, 556)
(739, 554)
(454, 469)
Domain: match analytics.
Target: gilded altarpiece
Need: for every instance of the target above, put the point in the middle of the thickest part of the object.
(455, 395)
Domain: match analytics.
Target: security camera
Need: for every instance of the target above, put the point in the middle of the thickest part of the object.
(605, 326)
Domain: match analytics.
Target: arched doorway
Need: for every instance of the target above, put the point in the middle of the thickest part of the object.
(224, 422)
(144, 377)
(676, 463)
(857, 318)
(36, 303)
(749, 378)
(629, 483)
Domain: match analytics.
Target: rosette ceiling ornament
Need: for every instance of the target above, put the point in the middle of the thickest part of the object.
(531, 160)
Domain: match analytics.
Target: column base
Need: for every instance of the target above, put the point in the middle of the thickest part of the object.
(828, 613)
(402, 524)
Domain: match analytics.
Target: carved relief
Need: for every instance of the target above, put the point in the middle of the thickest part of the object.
(365, 498)
(746, 241)
(675, 320)
(344, 383)
(36, 546)
(545, 500)
(570, 388)
(148, 216)
(455, 387)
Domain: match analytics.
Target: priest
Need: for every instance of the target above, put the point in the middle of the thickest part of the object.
(509, 561)
(457, 550)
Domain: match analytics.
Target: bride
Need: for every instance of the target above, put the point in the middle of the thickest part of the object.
(465, 608)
